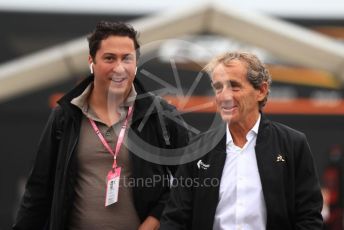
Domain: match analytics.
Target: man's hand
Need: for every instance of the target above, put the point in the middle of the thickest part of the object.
(150, 223)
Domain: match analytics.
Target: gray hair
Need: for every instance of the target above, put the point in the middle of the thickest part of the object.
(257, 73)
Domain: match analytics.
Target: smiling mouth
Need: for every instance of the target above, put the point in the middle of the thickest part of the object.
(228, 108)
(118, 80)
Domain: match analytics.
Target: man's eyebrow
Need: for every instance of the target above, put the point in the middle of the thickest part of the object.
(128, 54)
(226, 82)
(111, 54)
(234, 83)
(124, 54)
(216, 83)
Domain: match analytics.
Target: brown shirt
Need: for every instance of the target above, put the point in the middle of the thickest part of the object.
(94, 162)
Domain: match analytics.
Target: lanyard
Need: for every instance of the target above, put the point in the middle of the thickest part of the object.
(120, 137)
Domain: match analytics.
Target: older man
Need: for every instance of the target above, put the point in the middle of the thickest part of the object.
(265, 170)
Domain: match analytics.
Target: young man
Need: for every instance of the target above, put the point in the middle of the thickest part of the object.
(265, 173)
(84, 162)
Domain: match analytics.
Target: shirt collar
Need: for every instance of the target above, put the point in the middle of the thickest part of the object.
(252, 131)
(256, 126)
(81, 101)
(129, 101)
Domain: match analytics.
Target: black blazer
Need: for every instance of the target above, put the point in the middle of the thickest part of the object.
(49, 193)
(291, 187)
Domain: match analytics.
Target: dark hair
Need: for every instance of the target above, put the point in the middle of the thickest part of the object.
(104, 29)
(257, 73)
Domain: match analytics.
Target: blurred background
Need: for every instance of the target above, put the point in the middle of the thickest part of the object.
(44, 54)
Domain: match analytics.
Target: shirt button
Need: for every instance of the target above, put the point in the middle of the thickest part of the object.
(107, 133)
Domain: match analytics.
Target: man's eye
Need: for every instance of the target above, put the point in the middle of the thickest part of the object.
(235, 88)
(217, 87)
(128, 58)
(109, 58)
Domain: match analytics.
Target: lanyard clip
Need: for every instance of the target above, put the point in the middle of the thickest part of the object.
(114, 166)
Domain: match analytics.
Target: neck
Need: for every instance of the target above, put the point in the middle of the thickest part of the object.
(105, 106)
(97, 100)
(105, 100)
(239, 130)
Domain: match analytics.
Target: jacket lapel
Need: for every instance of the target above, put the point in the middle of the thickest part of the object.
(209, 196)
(270, 170)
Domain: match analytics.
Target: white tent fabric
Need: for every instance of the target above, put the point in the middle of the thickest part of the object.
(284, 40)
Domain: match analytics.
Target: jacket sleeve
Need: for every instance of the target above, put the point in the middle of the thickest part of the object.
(35, 205)
(178, 136)
(178, 210)
(308, 196)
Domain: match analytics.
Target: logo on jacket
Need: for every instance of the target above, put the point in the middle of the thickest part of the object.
(280, 158)
(201, 165)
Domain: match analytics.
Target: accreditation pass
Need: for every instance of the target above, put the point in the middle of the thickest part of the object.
(112, 186)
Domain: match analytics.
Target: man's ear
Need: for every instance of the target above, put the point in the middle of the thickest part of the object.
(90, 59)
(262, 91)
(91, 68)
(90, 62)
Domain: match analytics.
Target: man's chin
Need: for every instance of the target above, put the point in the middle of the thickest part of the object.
(228, 117)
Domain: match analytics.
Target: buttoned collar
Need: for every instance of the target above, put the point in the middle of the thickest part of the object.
(81, 102)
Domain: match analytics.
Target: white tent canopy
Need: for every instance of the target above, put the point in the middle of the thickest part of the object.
(284, 40)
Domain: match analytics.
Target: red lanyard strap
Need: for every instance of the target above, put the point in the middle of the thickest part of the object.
(120, 136)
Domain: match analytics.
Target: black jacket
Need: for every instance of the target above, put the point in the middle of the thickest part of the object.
(50, 188)
(291, 188)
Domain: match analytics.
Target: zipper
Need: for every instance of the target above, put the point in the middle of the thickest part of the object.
(64, 178)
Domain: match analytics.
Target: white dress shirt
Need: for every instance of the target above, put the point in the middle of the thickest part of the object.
(241, 201)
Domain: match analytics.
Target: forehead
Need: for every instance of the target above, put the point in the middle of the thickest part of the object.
(117, 44)
(233, 70)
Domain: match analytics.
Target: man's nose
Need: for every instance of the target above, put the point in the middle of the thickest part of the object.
(226, 93)
(118, 67)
